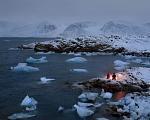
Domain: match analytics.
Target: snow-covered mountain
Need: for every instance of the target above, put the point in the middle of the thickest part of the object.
(43, 29)
(122, 28)
(81, 29)
(78, 29)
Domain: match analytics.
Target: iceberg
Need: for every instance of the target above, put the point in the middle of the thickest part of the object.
(30, 103)
(33, 60)
(17, 116)
(77, 60)
(23, 67)
(79, 70)
(45, 80)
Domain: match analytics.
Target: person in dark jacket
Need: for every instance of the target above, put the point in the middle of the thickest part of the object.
(114, 76)
(108, 75)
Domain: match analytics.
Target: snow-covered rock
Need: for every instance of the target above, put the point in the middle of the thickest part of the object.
(141, 73)
(19, 116)
(83, 111)
(45, 80)
(79, 70)
(23, 67)
(76, 60)
(137, 105)
(34, 60)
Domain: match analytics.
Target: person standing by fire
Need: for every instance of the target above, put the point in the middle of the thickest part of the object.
(114, 76)
(108, 75)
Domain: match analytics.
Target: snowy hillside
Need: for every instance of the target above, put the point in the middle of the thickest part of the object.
(73, 30)
(81, 29)
(123, 28)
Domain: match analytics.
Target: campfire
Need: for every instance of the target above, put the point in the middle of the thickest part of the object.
(116, 76)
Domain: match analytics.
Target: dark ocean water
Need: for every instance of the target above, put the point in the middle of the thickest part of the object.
(15, 86)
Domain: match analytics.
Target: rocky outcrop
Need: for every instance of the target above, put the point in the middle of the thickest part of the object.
(78, 45)
(113, 85)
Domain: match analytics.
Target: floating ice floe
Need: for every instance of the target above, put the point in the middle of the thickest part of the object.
(60, 109)
(79, 70)
(88, 96)
(83, 111)
(23, 67)
(106, 95)
(77, 60)
(30, 103)
(120, 65)
(13, 49)
(102, 119)
(33, 60)
(17, 116)
(81, 104)
(45, 80)
(137, 61)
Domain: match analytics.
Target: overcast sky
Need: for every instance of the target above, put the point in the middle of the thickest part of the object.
(75, 10)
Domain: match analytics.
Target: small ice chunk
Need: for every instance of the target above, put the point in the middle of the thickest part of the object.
(45, 80)
(23, 67)
(81, 104)
(17, 116)
(33, 60)
(83, 111)
(88, 95)
(60, 109)
(30, 103)
(137, 61)
(102, 119)
(77, 54)
(79, 70)
(77, 60)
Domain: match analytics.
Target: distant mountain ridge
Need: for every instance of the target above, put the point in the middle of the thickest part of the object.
(87, 28)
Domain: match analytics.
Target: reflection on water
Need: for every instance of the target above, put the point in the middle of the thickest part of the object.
(119, 95)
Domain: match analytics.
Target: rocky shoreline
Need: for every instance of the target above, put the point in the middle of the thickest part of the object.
(81, 45)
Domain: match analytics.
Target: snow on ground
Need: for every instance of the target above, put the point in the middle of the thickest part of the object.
(23, 67)
(45, 80)
(79, 70)
(77, 60)
(137, 105)
(120, 65)
(141, 73)
(34, 60)
(17, 116)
